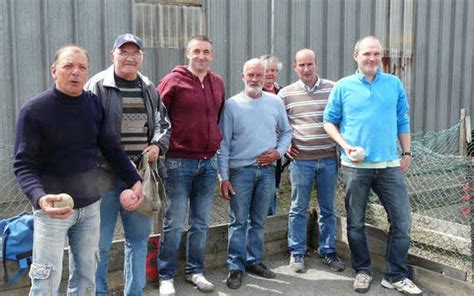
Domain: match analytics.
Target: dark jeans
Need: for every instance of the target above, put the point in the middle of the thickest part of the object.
(389, 185)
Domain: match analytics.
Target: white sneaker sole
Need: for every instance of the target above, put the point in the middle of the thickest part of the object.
(202, 288)
(388, 285)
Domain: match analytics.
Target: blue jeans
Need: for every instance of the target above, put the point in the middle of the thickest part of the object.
(304, 174)
(254, 189)
(273, 204)
(81, 229)
(193, 182)
(390, 187)
(137, 228)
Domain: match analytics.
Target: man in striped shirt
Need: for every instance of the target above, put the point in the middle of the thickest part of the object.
(314, 162)
(134, 113)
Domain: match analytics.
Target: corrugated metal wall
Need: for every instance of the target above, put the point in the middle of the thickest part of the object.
(429, 44)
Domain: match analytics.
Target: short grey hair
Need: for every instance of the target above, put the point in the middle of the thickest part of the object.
(357, 45)
(268, 59)
(251, 62)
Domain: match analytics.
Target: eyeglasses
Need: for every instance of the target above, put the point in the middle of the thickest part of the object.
(124, 54)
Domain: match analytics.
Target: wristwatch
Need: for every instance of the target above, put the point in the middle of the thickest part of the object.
(405, 154)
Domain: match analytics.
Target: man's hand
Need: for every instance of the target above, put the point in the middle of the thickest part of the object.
(405, 162)
(226, 190)
(46, 204)
(137, 199)
(292, 152)
(348, 149)
(268, 157)
(153, 152)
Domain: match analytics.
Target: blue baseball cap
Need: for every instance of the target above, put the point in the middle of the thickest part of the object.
(127, 38)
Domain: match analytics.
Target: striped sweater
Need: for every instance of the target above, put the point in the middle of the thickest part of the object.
(305, 109)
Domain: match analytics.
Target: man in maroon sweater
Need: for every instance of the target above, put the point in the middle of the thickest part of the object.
(193, 96)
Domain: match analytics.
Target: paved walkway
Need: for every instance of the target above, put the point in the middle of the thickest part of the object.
(318, 280)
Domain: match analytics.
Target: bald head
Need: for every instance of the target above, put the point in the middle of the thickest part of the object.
(305, 66)
(304, 53)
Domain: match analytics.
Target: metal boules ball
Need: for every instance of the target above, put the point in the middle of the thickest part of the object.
(358, 153)
(65, 201)
(128, 198)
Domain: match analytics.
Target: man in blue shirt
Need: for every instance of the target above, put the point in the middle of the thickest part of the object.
(256, 133)
(369, 109)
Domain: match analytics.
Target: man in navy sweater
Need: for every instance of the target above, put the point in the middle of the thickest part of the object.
(58, 135)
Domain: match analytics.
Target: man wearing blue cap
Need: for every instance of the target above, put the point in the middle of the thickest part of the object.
(134, 112)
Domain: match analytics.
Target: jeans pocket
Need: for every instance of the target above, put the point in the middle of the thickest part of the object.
(172, 163)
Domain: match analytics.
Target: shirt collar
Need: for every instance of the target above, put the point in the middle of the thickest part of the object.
(314, 88)
(362, 78)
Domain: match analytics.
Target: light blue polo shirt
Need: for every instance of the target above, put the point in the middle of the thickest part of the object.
(370, 115)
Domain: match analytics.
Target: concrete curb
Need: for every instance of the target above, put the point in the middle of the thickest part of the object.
(427, 273)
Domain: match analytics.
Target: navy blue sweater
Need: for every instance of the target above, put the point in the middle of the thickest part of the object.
(57, 137)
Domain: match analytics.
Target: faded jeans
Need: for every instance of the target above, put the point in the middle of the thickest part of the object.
(81, 229)
(389, 185)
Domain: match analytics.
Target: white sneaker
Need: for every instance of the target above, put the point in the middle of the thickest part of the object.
(200, 281)
(297, 263)
(405, 286)
(362, 282)
(167, 288)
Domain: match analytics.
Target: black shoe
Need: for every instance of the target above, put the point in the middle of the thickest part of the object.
(334, 262)
(234, 279)
(260, 270)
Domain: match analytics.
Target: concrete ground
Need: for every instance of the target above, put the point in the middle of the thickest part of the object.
(318, 280)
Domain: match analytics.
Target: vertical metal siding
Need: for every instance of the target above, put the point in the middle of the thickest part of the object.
(430, 43)
(443, 62)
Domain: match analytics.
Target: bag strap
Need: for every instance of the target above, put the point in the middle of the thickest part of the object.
(4, 252)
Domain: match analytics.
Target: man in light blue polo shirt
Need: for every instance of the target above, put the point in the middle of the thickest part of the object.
(369, 109)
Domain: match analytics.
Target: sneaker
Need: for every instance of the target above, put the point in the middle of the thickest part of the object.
(334, 262)
(297, 263)
(405, 286)
(260, 270)
(200, 281)
(234, 279)
(167, 288)
(362, 282)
